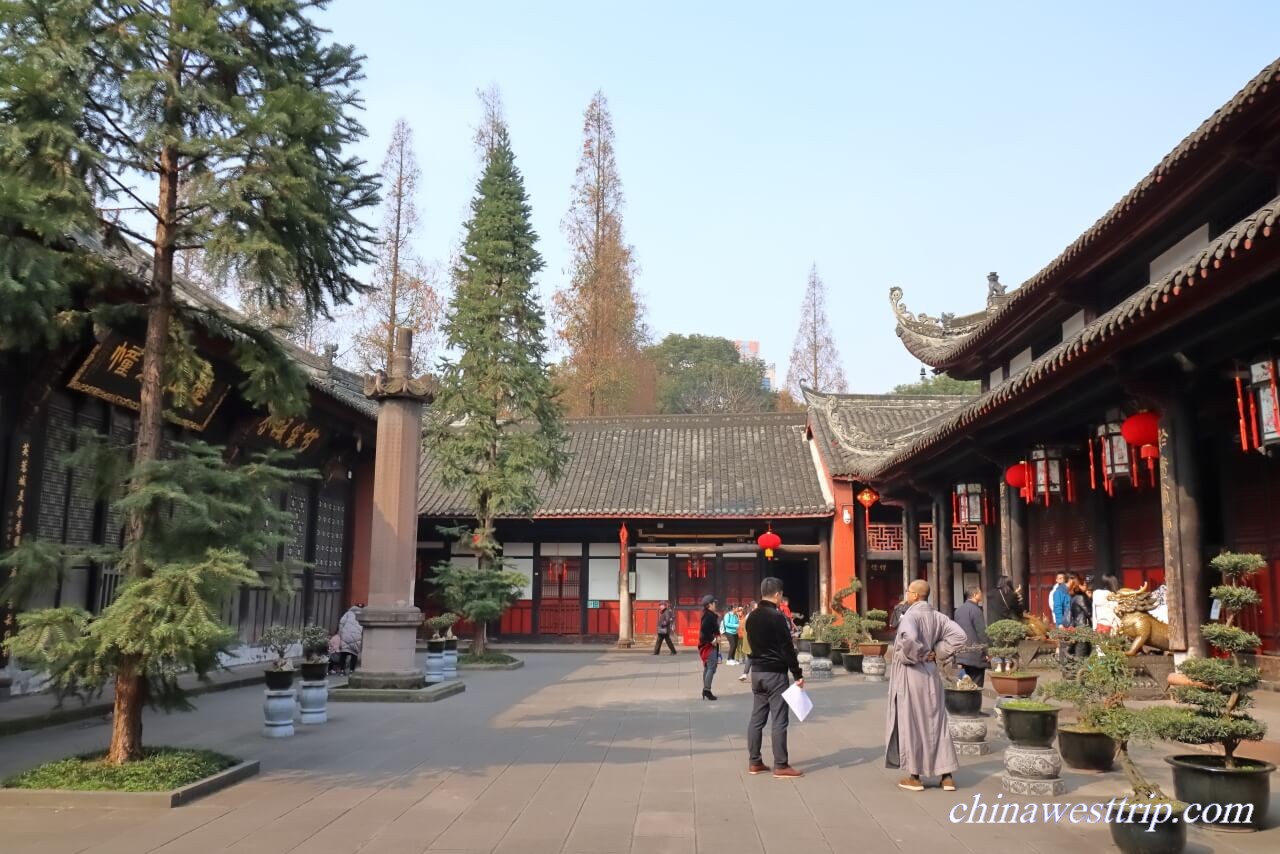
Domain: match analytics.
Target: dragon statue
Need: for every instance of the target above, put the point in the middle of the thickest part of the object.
(1133, 609)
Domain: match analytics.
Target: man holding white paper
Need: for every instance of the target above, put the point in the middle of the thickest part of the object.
(773, 655)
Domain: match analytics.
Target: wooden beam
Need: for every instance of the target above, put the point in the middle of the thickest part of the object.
(732, 548)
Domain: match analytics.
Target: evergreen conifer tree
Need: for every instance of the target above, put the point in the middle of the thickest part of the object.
(498, 427)
(180, 125)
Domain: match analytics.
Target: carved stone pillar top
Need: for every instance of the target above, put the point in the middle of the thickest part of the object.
(398, 383)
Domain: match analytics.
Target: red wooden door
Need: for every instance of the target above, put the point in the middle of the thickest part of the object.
(560, 611)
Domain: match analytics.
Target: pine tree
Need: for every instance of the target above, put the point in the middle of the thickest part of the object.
(599, 313)
(402, 295)
(498, 427)
(815, 361)
(215, 126)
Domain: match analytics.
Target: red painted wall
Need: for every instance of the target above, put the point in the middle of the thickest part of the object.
(843, 561)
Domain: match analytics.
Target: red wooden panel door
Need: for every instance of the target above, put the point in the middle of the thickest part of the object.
(739, 581)
(1261, 620)
(560, 611)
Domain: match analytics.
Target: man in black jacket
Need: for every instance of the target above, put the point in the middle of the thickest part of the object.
(773, 655)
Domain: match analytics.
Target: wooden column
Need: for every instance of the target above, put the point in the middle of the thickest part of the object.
(1104, 550)
(992, 545)
(824, 569)
(942, 552)
(860, 547)
(1184, 574)
(1016, 564)
(910, 543)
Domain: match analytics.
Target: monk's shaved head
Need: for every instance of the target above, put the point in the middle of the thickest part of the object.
(918, 591)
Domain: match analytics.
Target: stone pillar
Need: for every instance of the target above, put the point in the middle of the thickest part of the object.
(626, 624)
(910, 543)
(390, 619)
(943, 556)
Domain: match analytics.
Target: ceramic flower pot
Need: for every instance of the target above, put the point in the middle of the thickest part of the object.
(1030, 727)
(279, 680)
(966, 703)
(1205, 779)
(1086, 750)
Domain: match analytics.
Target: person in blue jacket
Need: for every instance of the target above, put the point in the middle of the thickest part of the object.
(1060, 602)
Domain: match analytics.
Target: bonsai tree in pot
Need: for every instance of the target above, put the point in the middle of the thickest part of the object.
(279, 640)
(845, 636)
(1219, 692)
(873, 621)
(1149, 821)
(851, 634)
(315, 652)
(1006, 679)
(823, 632)
(962, 697)
(1094, 684)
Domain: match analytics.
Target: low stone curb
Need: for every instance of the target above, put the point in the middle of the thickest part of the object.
(514, 665)
(55, 717)
(128, 800)
(429, 694)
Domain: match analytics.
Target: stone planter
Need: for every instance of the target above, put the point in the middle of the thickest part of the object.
(819, 668)
(313, 701)
(1163, 837)
(279, 680)
(1204, 779)
(434, 671)
(1013, 684)
(1086, 750)
(450, 658)
(1026, 728)
(961, 702)
(277, 713)
(1032, 771)
(852, 662)
(873, 668)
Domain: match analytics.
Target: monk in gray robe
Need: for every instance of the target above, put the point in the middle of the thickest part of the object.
(916, 728)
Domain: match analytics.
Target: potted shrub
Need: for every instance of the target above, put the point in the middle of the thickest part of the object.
(1030, 723)
(1159, 828)
(279, 640)
(963, 697)
(450, 661)
(822, 627)
(435, 646)
(1007, 680)
(1219, 692)
(805, 641)
(315, 653)
(851, 634)
(873, 621)
(1094, 685)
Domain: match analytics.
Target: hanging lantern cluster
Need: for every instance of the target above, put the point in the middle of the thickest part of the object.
(1142, 431)
(1117, 451)
(1258, 406)
(769, 541)
(970, 505)
(697, 567)
(1045, 475)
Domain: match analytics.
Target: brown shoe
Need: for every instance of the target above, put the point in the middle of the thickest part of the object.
(911, 784)
(786, 771)
(948, 783)
(757, 768)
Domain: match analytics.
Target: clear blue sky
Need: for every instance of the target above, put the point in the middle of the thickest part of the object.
(916, 144)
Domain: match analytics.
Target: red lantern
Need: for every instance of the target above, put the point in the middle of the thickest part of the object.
(1016, 475)
(769, 541)
(1142, 428)
(1151, 453)
(867, 497)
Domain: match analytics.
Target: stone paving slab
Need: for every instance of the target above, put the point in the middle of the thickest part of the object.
(592, 753)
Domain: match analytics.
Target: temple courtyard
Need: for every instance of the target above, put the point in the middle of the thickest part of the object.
(576, 752)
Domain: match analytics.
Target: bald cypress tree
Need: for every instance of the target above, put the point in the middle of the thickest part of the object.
(498, 426)
(177, 125)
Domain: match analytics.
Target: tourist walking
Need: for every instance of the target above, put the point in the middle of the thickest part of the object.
(1060, 602)
(732, 619)
(744, 644)
(973, 658)
(916, 736)
(709, 644)
(1005, 603)
(666, 625)
(351, 637)
(1080, 613)
(773, 656)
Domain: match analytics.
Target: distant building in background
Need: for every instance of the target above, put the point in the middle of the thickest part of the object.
(751, 350)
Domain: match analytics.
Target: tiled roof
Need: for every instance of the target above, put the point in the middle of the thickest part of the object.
(1198, 274)
(671, 466)
(855, 433)
(942, 351)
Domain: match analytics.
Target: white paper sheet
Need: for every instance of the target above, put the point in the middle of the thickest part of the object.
(799, 701)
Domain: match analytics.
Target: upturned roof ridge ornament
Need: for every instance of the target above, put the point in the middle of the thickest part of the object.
(398, 384)
(947, 325)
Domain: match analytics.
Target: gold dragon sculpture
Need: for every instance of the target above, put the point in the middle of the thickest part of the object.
(1132, 609)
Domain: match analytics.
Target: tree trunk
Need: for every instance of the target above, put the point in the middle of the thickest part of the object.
(126, 721)
(478, 639)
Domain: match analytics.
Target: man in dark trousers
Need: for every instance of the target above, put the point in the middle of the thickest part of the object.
(773, 655)
(973, 658)
(709, 644)
(666, 625)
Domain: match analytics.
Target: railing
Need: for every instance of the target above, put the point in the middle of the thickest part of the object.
(888, 538)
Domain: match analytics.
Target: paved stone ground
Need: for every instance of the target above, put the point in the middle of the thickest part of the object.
(574, 753)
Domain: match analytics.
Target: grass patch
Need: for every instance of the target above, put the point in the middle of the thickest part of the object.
(160, 769)
(486, 658)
